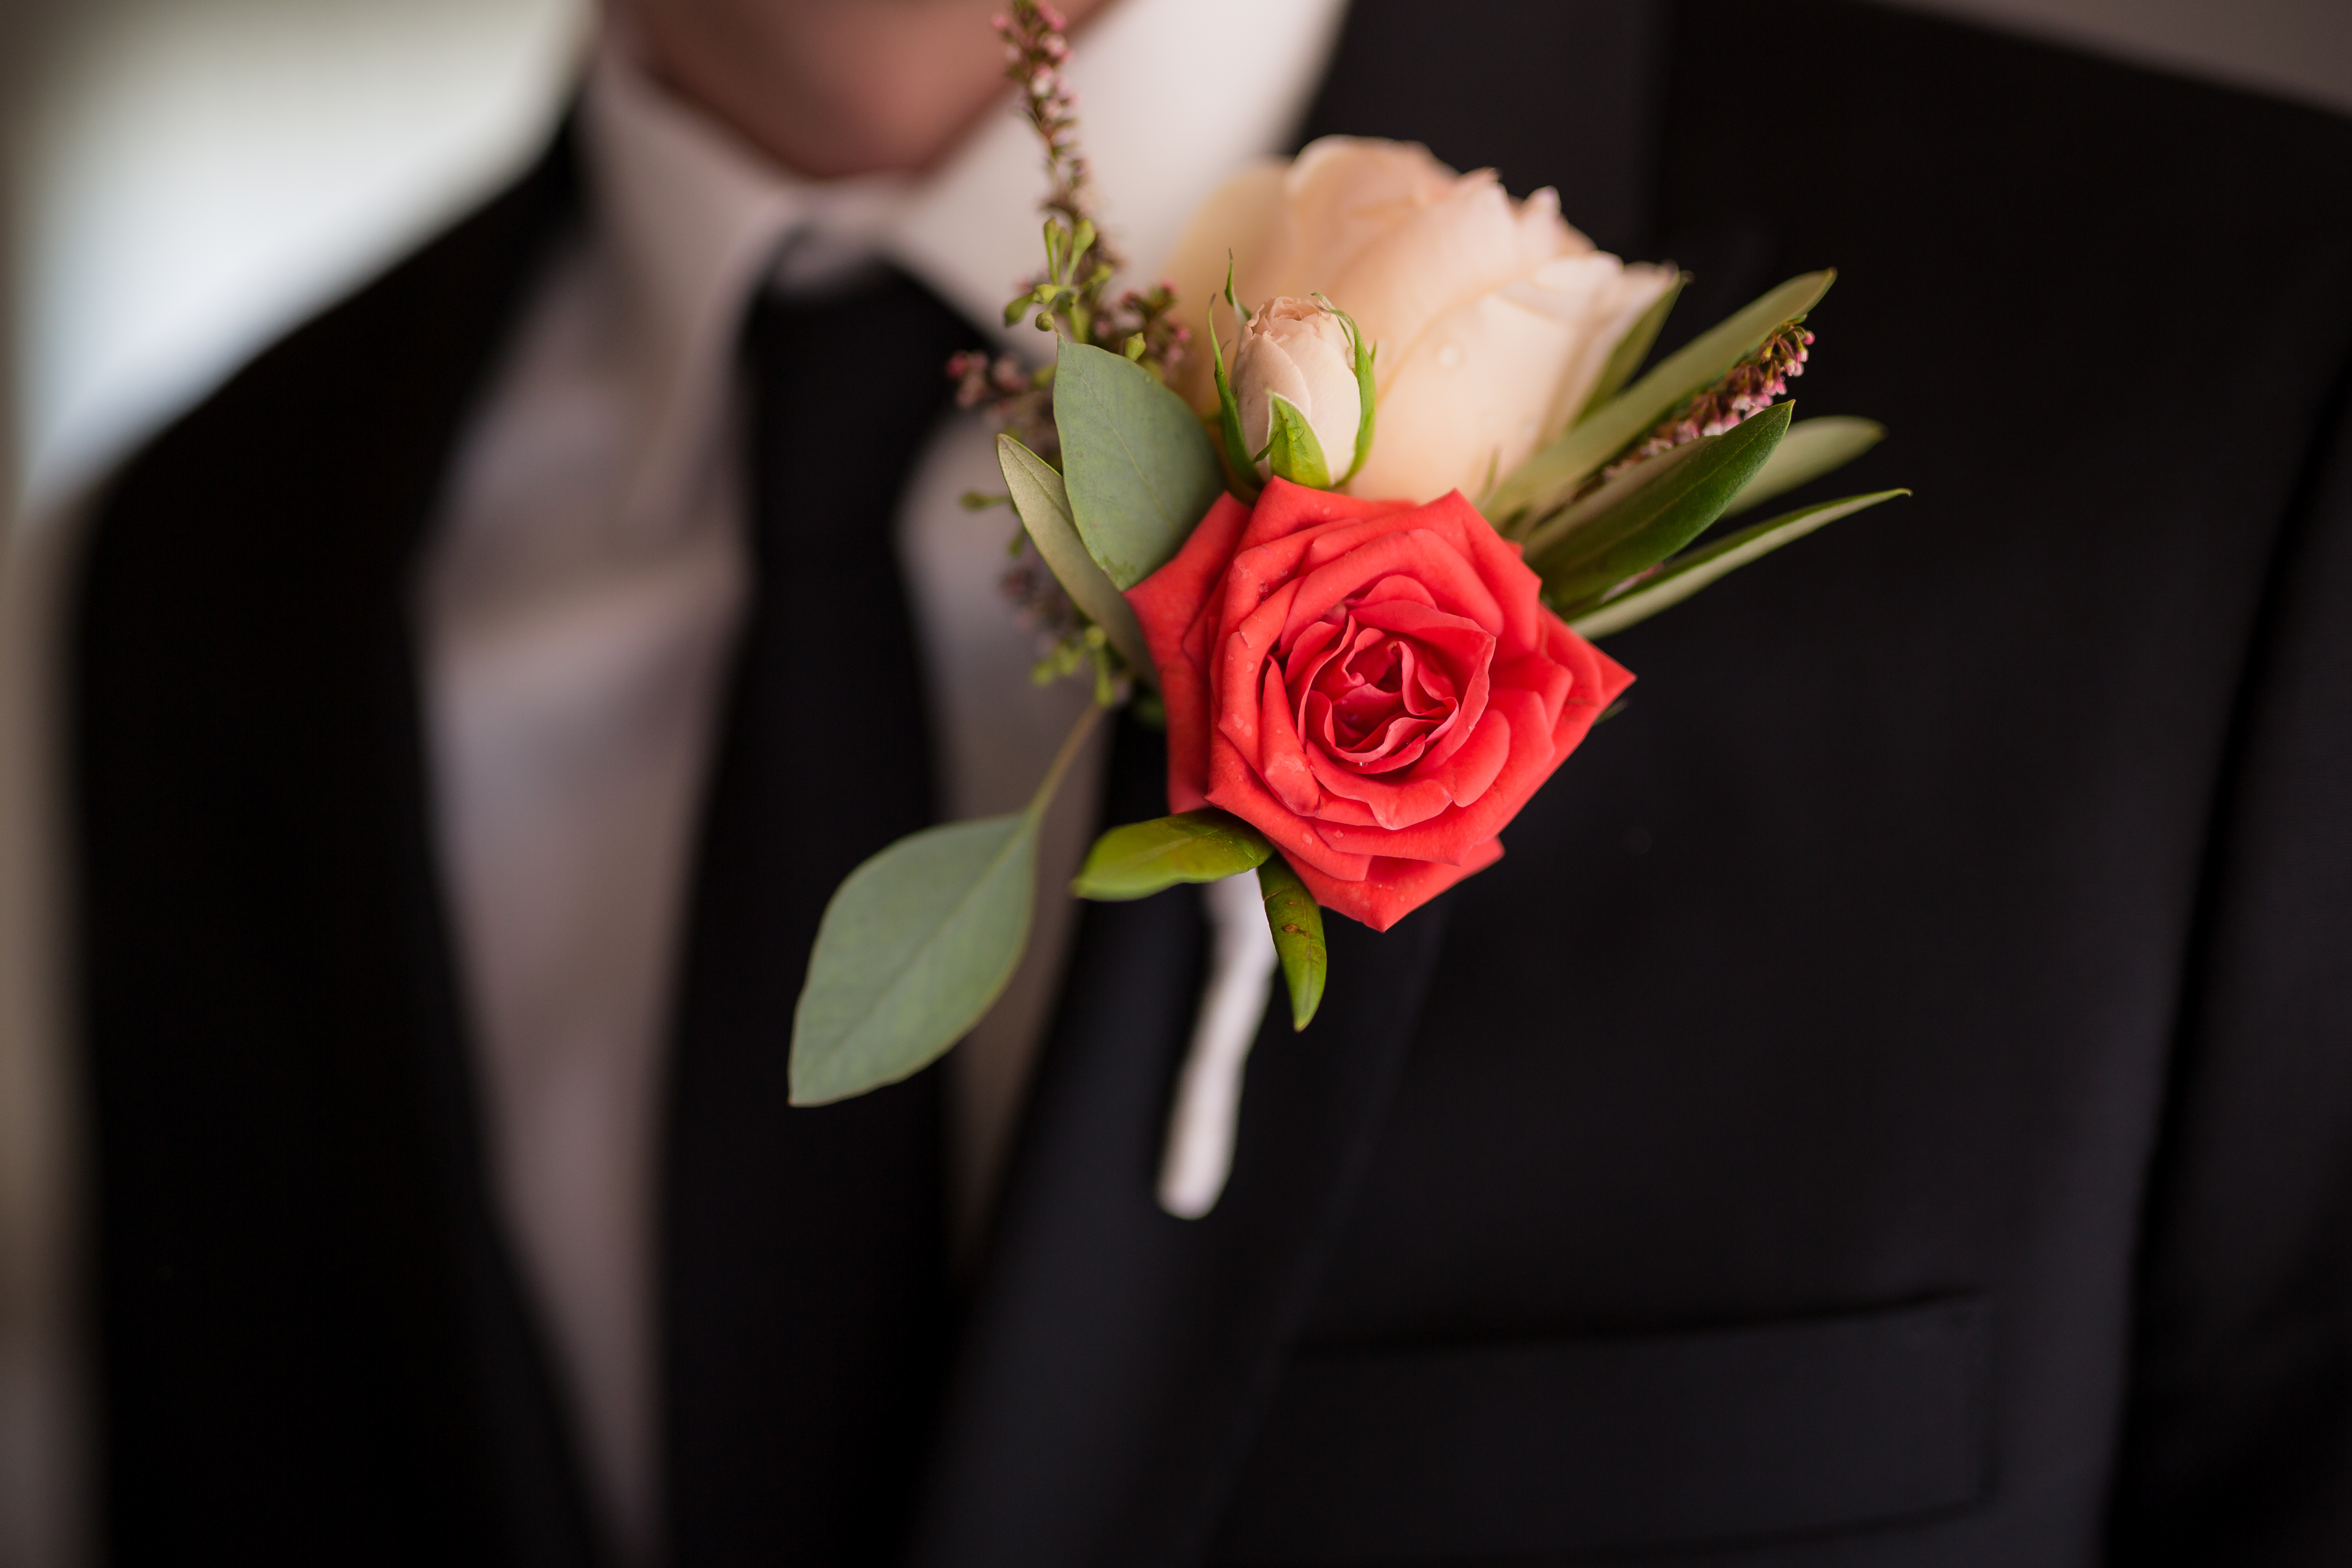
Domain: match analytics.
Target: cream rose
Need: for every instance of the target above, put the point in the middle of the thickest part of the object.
(1492, 318)
(1297, 348)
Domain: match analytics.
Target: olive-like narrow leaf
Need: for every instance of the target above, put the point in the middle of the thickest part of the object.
(1559, 469)
(1812, 447)
(1294, 452)
(1043, 505)
(1298, 923)
(1139, 469)
(916, 946)
(1632, 348)
(1678, 580)
(1145, 858)
(1629, 527)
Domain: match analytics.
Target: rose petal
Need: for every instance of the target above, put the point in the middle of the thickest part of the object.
(1304, 659)
(1167, 604)
(1235, 785)
(1471, 652)
(1285, 509)
(1391, 890)
(1394, 804)
(1167, 601)
(1451, 832)
(1599, 680)
(1466, 642)
(1476, 763)
(1466, 245)
(1549, 680)
(1281, 762)
(1475, 393)
(1399, 587)
(1353, 712)
(1513, 584)
(1422, 555)
(1339, 809)
(1239, 658)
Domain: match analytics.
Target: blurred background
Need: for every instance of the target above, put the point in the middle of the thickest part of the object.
(187, 177)
(182, 179)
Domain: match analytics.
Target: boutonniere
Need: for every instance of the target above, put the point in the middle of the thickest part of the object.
(1355, 557)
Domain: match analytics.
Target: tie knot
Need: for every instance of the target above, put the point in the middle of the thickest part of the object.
(843, 385)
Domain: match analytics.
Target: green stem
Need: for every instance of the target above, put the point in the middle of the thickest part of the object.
(1064, 757)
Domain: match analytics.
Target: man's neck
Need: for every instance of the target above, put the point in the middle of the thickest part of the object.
(830, 88)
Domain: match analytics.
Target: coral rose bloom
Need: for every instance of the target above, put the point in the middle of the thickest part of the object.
(1374, 685)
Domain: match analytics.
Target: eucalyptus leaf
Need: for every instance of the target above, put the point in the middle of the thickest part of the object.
(1293, 451)
(1139, 469)
(1296, 920)
(1559, 469)
(1812, 447)
(1633, 347)
(1679, 579)
(914, 949)
(1043, 505)
(1141, 859)
(917, 944)
(1629, 526)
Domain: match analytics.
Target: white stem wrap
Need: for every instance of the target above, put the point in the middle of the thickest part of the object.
(1199, 1152)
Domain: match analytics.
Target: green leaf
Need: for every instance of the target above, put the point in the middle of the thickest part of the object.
(1298, 923)
(916, 946)
(1366, 393)
(1043, 505)
(1632, 348)
(1650, 511)
(1244, 475)
(1811, 448)
(1139, 469)
(1145, 858)
(1293, 452)
(913, 951)
(1556, 472)
(1679, 579)
(1229, 412)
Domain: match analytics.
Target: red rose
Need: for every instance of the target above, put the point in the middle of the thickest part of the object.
(1374, 685)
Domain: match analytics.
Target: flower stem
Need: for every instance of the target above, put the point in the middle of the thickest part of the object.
(1064, 757)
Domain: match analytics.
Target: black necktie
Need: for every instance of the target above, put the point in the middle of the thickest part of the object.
(803, 1312)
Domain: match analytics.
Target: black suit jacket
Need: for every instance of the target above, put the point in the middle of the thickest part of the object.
(1892, 1105)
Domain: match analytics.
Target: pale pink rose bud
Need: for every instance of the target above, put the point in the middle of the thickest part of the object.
(1299, 349)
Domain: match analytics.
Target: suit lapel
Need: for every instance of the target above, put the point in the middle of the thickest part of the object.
(1116, 1361)
(307, 1318)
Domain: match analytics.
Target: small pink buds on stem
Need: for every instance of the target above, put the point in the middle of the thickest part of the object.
(1072, 297)
(1748, 388)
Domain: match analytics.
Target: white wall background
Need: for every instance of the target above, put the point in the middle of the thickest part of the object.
(193, 174)
(189, 177)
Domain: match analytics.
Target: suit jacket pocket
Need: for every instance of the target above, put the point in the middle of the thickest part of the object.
(1563, 1446)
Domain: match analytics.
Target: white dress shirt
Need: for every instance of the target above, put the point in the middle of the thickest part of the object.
(589, 572)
